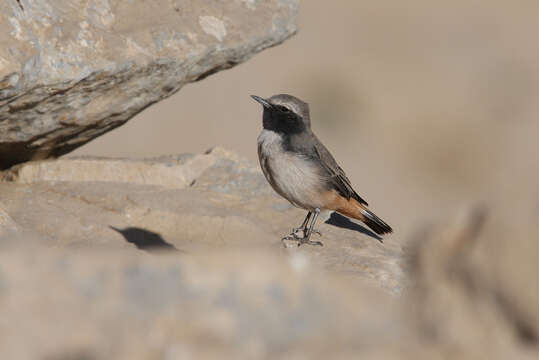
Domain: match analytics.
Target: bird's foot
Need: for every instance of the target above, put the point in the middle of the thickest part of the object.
(303, 239)
(289, 241)
(292, 236)
(309, 242)
(316, 232)
(307, 238)
(297, 231)
(303, 231)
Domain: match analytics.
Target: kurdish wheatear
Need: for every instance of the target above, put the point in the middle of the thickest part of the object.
(300, 168)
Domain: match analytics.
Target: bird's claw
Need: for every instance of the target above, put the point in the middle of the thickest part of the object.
(292, 236)
(295, 231)
(309, 242)
(316, 232)
(303, 239)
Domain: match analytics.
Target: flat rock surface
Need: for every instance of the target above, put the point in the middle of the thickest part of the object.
(98, 261)
(102, 305)
(72, 70)
(188, 203)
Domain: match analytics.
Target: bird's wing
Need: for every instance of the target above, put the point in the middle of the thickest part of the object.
(335, 173)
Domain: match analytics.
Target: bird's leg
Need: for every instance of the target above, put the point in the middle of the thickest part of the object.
(307, 237)
(313, 230)
(294, 234)
(303, 226)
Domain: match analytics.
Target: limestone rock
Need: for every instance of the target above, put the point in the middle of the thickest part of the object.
(192, 203)
(7, 225)
(173, 172)
(249, 305)
(96, 266)
(72, 70)
(475, 292)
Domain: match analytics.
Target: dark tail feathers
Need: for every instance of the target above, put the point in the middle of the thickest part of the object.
(375, 223)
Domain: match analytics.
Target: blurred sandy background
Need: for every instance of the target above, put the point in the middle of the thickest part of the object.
(428, 106)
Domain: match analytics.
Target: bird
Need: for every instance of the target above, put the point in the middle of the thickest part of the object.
(302, 170)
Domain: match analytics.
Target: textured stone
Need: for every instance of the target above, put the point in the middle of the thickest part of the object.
(7, 225)
(173, 172)
(476, 292)
(192, 202)
(96, 267)
(227, 305)
(71, 71)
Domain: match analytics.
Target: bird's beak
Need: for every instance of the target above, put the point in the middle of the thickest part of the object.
(262, 101)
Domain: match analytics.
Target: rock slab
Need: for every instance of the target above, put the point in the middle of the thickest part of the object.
(97, 264)
(189, 203)
(72, 70)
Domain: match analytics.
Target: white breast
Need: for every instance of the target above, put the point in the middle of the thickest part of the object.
(291, 175)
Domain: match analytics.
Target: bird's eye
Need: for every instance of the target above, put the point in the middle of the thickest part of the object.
(285, 109)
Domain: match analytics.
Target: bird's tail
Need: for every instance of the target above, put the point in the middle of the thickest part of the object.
(378, 225)
(357, 211)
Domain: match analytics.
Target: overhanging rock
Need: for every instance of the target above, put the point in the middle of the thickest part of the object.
(72, 70)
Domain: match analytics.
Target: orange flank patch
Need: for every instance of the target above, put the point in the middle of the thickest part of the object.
(349, 207)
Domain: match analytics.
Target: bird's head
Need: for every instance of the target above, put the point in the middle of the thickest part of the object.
(285, 114)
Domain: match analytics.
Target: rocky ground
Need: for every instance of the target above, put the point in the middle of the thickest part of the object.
(181, 257)
(186, 203)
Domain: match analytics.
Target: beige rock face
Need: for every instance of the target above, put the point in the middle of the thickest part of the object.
(179, 172)
(226, 305)
(100, 266)
(193, 201)
(6, 222)
(73, 70)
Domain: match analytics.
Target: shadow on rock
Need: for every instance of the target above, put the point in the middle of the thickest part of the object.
(144, 239)
(341, 221)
